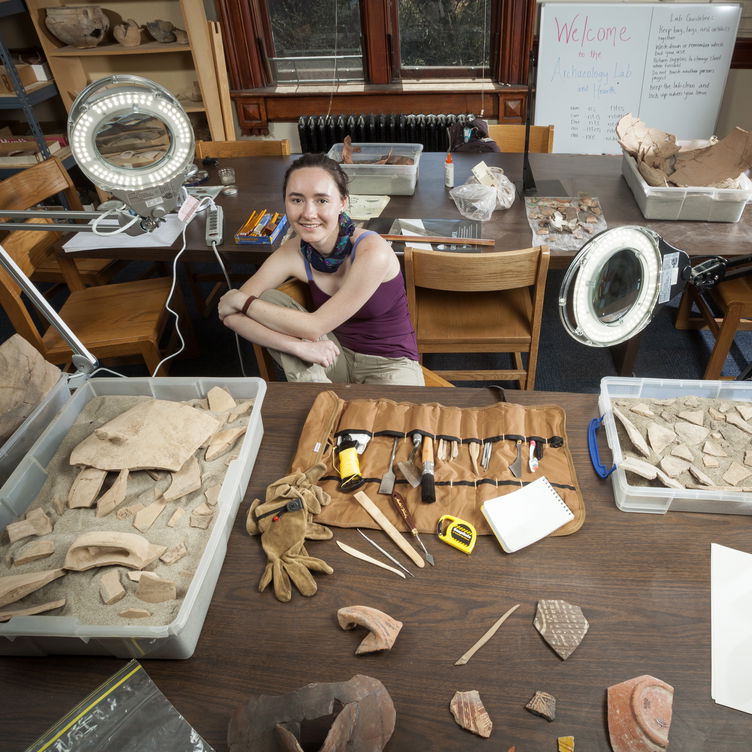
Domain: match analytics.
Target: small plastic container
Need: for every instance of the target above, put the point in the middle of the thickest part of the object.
(656, 500)
(380, 179)
(701, 204)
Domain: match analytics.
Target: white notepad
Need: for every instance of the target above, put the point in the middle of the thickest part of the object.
(527, 515)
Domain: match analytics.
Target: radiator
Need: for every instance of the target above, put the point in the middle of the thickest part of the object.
(318, 133)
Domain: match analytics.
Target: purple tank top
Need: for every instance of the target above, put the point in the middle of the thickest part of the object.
(382, 326)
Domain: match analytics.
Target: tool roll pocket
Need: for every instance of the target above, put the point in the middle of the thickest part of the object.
(461, 481)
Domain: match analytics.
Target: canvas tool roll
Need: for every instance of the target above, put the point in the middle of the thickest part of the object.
(459, 490)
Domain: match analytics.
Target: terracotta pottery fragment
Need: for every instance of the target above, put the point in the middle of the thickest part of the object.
(633, 433)
(201, 516)
(469, 713)
(542, 704)
(86, 487)
(135, 613)
(17, 586)
(38, 608)
(78, 26)
(220, 399)
(176, 515)
(382, 627)
(128, 34)
(222, 441)
(212, 494)
(174, 553)
(115, 495)
(154, 434)
(561, 625)
(660, 437)
(565, 743)
(108, 548)
(154, 589)
(38, 549)
(242, 409)
(130, 511)
(146, 517)
(111, 590)
(639, 714)
(36, 522)
(162, 31)
(311, 716)
(184, 481)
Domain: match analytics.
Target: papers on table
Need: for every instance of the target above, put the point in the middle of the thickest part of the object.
(164, 236)
(366, 207)
(731, 627)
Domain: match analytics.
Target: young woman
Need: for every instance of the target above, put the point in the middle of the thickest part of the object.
(359, 330)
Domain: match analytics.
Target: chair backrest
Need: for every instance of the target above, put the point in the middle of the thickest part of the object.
(244, 148)
(511, 138)
(468, 272)
(22, 190)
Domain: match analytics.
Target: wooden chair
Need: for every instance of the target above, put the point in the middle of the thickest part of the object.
(479, 302)
(511, 138)
(124, 320)
(733, 300)
(30, 187)
(244, 148)
(298, 291)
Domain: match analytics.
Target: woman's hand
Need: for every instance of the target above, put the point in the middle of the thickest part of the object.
(231, 302)
(323, 351)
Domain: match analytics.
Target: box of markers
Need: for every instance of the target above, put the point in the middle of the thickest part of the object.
(262, 228)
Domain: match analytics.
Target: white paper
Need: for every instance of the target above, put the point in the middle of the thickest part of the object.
(414, 228)
(164, 236)
(731, 627)
(366, 207)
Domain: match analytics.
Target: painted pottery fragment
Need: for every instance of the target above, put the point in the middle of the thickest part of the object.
(660, 437)
(382, 627)
(312, 713)
(542, 704)
(633, 433)
(153, 434)
(561, 624)
(639, 714)
(469, 713)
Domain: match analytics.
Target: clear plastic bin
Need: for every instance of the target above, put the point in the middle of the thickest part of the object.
(380, 179)
(49, 634)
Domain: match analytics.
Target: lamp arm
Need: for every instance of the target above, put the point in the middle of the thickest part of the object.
(20, 215)
(83, 360)
(716, 269)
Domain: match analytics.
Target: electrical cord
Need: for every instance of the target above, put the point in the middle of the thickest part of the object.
(114, 211)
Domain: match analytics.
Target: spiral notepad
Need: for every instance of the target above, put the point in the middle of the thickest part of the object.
(522, 517)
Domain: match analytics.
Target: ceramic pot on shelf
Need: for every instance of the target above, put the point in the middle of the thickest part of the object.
(78, 25)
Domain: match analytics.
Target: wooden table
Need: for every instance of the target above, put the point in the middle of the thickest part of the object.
(259, 181)
(642, 581)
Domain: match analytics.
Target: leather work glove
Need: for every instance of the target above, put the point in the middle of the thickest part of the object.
(284, 521)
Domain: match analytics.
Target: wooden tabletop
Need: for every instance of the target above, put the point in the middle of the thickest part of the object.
(642, 581)
(259, 181)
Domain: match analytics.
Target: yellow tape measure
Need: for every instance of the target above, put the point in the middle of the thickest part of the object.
(457, 533)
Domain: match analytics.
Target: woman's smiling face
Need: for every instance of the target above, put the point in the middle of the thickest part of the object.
(313, 204)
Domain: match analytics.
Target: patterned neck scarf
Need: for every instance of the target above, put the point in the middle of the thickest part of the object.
(342, 248)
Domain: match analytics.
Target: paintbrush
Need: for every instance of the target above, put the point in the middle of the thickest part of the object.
(427, 483)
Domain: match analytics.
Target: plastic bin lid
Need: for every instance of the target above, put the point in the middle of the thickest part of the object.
(616, 282)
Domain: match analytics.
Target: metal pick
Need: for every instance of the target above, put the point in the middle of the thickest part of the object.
(388, 555)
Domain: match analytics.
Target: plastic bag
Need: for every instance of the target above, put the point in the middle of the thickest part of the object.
(474, 201)
(126, 713)
(505, 190)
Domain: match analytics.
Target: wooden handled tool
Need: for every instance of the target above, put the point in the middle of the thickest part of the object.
(398, 502)
(365, 501)
(433, 239)
(427, 483)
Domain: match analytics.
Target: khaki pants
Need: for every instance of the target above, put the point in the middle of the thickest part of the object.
(350, 367)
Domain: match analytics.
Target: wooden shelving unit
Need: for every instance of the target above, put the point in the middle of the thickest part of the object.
(174, 66)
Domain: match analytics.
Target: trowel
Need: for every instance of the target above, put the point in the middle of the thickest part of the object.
(411, 472)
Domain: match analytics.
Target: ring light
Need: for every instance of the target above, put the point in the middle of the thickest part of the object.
(131, 137)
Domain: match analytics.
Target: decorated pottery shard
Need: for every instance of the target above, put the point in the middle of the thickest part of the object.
(561, 625)
(382, 627)
(153, 434)
(353, 716)
(469, 713)
(634, 435)
(639, 714)
(542, 704)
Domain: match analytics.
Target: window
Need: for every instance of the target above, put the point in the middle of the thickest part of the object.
(439, 38)
(315, 41)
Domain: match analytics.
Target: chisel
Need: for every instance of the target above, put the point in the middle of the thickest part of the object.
(398, 502)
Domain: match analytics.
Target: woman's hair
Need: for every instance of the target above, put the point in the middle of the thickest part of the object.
(325, 163)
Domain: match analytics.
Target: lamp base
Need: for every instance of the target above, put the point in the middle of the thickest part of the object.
(541, 188)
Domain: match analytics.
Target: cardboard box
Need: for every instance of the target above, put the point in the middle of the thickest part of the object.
(50, 634)
(380, 179)
(25, 74)
(659, 500)
(701, 204)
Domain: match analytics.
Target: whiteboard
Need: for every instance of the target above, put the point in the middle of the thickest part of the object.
(667, 63)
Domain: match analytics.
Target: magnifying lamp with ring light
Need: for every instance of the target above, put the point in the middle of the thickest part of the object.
(620, 277)
(132, 138)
